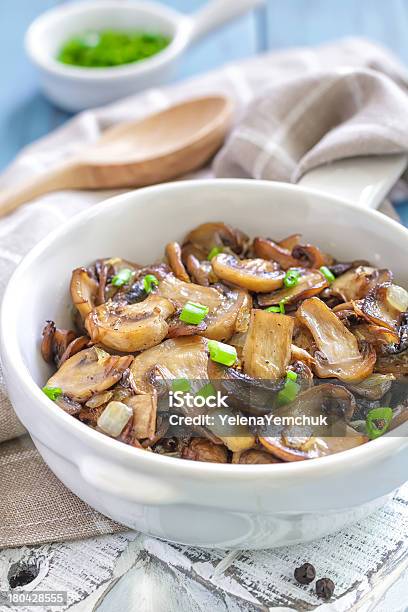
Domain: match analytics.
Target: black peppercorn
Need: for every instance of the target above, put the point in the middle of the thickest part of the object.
(324, 588)
(305, 574)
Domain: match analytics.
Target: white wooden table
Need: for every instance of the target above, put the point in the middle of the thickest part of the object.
(131, 572)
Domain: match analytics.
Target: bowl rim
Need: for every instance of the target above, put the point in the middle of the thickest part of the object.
(14, 361)
(179, 41)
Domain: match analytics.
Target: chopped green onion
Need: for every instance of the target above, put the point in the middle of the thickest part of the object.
(282, 306)
(222, 353)
(328, 274)
(377, 422)
(290, 389)
(180, 384)
(214, 251)
(149, 282)
(207, 391)
(122, 277)
(193, 313)
(52, 392)
(291, 278)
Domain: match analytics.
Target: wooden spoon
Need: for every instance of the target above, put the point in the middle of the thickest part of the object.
(158, 148)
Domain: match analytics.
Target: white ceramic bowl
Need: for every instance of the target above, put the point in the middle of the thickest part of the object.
(74, 89)
(226, 506)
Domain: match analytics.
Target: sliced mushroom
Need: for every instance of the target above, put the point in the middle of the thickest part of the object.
(290, 242)
(374, 387)
(267, 249)
(180, 292)
(47, 349)
(130, 327)
(89, 372)
(301, 355)
(84, 290)
(250, 395)
(253, 274)
(311, 282)
(76, 345)
(310, 447)
(335, 403)
(209, 235)
(178, 328)
(235, 435)
(173, 254)
(357, 282)
(384, 305)
(230, 317)
(379, 337)
(201, 272)
(200, 449)
(144, 414)
(338, 353)
(267, 349)
(59, 344)
(179, 358)
(310, 256)
(68, 405)
(396, 363)
(254, 456)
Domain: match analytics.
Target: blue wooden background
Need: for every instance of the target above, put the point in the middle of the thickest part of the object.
(25, 115)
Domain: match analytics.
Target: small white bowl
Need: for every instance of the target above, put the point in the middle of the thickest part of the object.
(76, 88)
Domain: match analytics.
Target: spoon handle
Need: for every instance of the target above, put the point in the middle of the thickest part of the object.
(62, 177)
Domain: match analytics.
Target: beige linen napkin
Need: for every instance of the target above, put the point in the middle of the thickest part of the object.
(315, 109)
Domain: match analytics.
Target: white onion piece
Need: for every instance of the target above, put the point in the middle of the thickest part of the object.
(397, 297)
(114, 418)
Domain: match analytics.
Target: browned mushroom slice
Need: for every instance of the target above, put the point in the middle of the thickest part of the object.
(89, 372)
(200, 449)
(290, 242)
(356, 283)
(201, 272)
(249, 395)
(180, 292)
(68, 405)
(310, 256)
(178, 328)
(179, 358)
(173, 254)
(332, 401)
(270, 250)
(209, 235)
(379, 337)
(301, 448)
(144, 414)
(374, 387)
(76, 345)
(301, 355)
(254, 456)
(253, 274)
(235, 435)
(384, 305)
(47, 349)
(267, 349)
(57, 344)
(311, 282)
(84, 290)
(130, 327)
(338, 353)
(231, 316)
(396, 363)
